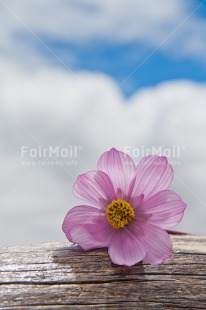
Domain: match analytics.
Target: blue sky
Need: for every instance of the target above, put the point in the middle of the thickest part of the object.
(155, 60)
(119, 61)
(162, 40)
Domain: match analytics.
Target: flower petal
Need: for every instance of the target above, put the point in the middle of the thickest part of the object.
(94, 187)
(88, 227)
(135, 202)
(79, 216)
(157, 243)
(153, 174)
(126, 248)
(164, 209)
(120, 168)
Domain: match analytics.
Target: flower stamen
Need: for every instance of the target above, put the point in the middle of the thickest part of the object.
(119, 213)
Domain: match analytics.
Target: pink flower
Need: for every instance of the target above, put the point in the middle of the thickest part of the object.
(129, 209)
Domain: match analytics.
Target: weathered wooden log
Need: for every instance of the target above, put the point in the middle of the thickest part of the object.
(60, 276)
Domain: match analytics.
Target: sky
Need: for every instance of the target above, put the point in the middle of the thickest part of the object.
(85, 76)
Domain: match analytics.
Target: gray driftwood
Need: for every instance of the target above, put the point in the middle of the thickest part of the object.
(62, 276)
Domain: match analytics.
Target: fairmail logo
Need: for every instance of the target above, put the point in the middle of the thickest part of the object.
(50, 155)
(50, 151)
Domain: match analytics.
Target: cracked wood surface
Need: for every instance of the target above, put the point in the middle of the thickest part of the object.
(62, 276)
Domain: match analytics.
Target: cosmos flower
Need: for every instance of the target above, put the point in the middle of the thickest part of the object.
(127, 209)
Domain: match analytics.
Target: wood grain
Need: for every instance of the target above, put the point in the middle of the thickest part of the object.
(62, 276)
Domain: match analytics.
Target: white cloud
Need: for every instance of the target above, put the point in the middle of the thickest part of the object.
(51, 107)
(24, 24)
(85, 20)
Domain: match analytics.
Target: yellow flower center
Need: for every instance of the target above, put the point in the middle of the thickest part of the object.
(119, 213)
